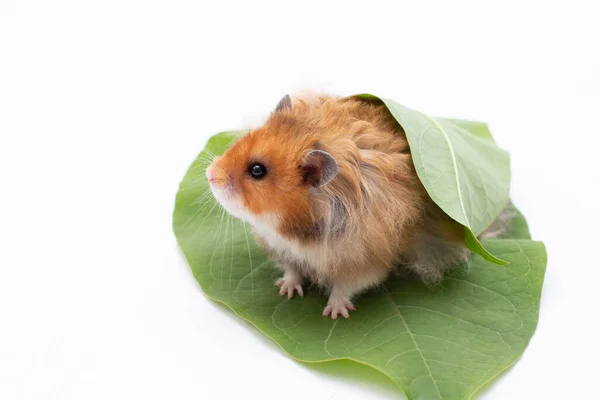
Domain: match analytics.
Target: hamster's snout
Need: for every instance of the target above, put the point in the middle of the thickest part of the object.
(221, 186)
(211, 173)
(216, 176)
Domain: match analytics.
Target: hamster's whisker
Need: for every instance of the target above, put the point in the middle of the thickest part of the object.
(231, 261)
(194, 183)
(203, 164)
(218, 236)
(206, 159)
(203, 220)
(203, 159)
(206, 153)
(199, 170)
(200, 180)
(206, 197)
(249, 258)
(216, 220)
(210, 153)
(245, 228)
(224, 245)
(202, 199)
(193, 217)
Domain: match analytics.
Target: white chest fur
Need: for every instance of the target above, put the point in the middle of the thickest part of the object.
(309, 256)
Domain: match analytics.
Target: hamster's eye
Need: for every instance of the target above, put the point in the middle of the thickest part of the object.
(257, 170)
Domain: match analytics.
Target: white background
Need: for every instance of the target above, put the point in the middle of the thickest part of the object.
(104, 104)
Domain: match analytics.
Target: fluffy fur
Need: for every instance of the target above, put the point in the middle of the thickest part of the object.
(348, 234)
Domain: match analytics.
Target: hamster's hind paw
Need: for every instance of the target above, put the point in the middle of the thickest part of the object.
(338, 305)
(289, 285)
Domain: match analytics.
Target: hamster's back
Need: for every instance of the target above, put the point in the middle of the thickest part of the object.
(389, 215)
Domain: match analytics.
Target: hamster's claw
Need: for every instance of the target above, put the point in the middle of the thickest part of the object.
(338, 306)
(288, 286)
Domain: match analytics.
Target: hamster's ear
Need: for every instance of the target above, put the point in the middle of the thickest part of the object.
(284, 104)
(320, 168)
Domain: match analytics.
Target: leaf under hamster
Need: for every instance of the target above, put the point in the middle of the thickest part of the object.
(443, 343)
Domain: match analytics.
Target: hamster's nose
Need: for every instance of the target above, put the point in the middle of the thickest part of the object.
(212, 174)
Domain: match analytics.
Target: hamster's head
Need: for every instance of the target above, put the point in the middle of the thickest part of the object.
(266, 176)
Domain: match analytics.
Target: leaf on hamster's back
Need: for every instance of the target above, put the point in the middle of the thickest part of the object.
(464, 172)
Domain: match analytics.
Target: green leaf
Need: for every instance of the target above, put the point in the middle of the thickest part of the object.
(478, 128)
(442, 343)
(461, 167)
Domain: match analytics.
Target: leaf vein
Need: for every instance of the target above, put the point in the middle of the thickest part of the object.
(329, 337)
(414, 341)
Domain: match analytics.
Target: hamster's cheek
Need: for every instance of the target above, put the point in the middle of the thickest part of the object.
(233, 205)
(236, 211)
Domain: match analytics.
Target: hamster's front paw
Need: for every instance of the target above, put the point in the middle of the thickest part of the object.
(289, 283)
(338, 304)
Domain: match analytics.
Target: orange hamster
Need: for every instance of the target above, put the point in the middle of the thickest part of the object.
(330, 189)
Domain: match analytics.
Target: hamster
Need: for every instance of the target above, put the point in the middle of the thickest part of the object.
(329, 187)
